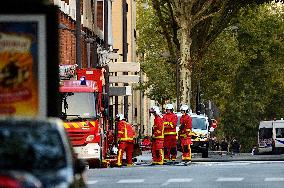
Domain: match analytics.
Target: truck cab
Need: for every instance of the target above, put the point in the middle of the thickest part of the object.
(81, 118)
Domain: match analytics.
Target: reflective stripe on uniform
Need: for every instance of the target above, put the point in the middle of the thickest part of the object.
(119, 161)
(170, 133)
(158, 136)
(126, 139)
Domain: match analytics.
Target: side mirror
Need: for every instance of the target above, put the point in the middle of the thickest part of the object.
(80, 166)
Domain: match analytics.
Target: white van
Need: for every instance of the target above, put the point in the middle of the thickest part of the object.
(271, 136)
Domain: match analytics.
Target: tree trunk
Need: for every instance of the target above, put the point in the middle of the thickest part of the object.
(185, 64)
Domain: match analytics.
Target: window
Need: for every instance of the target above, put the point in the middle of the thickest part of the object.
(279, 132)
(265, 133)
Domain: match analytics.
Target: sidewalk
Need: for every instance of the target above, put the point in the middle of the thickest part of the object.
(146, 157)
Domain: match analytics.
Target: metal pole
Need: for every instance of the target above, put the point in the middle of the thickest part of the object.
(78, 33)
(106, 24)
(124, 50)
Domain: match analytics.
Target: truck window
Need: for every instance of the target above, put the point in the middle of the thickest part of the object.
(279, 132)
(265, 133)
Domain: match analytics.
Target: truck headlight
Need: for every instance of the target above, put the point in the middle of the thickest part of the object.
(90, 138)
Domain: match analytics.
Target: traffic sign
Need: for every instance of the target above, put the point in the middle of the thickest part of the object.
(124, 67)
(124, 79)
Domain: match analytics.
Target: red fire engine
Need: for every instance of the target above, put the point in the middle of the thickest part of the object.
(84, 113)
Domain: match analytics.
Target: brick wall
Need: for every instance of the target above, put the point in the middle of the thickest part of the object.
(100, 15)
(67, 46)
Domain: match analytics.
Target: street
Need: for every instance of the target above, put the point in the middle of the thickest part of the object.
(239, 171)
(197, 174)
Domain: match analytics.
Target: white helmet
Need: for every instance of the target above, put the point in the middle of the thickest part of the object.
(169, 107)
(155, 109)
(184, 107)
(120, 117)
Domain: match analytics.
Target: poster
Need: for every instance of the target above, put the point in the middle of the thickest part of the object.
(22, 65)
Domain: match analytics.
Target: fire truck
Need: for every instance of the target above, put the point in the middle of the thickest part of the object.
(84, 112)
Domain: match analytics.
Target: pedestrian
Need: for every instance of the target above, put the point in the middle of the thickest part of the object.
(224, 145)
(125, 137)
(158, 137)
(235, 146)
(185, 133)
(170, 134)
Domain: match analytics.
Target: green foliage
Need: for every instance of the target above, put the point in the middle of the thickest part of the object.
(160, 83)
(244, 72)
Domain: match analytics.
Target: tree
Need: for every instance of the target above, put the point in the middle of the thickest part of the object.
(160, 83)
(243, 72)
(190, 27)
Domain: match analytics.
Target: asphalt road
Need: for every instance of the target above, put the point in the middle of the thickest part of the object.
(233, 174)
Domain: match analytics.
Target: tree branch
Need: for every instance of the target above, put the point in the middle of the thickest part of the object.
(157, 6)
(204, 8)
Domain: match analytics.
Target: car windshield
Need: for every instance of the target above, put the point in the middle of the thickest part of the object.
(27, 148)
(199, 123)
(78, 108)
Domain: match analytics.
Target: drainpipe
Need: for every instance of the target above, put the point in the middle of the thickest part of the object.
(78, 34)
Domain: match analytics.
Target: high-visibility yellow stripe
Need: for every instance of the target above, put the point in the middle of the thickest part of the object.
(126, 136)
(66, 125)
(93, 123)
(126, 139)
(158, 137)
(75, 125)
(119, 162)
(170, 133)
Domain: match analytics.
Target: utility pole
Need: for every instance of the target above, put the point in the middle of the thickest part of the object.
(78, 34)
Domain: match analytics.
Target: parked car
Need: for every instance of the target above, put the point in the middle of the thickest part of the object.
(18, 179)
(40, 147)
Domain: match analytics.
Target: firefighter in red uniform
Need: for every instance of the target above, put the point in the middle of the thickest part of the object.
(158, 137)
(125, 137)
(170, 140)
(185, 133)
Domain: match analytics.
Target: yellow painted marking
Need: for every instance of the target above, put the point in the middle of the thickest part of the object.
(75, 125)
(66, 125)
(93, 123)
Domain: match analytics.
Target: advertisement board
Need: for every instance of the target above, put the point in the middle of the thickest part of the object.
(23, 65)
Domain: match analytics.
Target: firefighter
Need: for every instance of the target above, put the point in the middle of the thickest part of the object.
(125, 137)
(185, 133)
(170, 134)
(158, 137)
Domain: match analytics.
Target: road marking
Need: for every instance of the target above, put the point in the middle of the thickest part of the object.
(177, 180)
(131, 181)
(91, 182)
(274, 179)
(229, 179)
